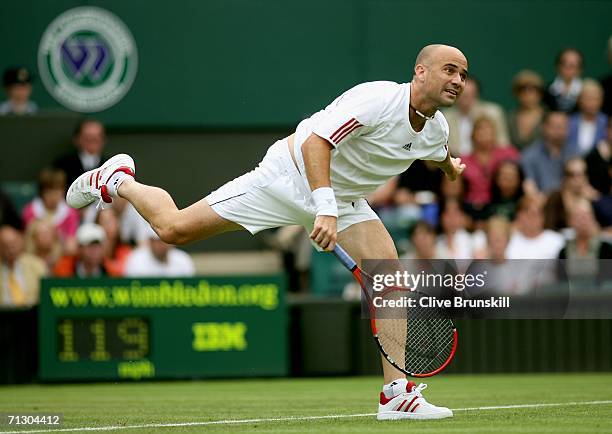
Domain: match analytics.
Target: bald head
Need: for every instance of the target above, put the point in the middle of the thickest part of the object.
(433, 52)
(439, 77)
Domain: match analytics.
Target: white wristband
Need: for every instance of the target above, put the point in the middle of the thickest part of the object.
(325, 201)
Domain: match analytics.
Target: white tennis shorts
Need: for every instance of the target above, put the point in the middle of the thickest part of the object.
(275, 194)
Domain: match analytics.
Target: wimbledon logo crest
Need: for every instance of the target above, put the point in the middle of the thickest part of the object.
(87, 59)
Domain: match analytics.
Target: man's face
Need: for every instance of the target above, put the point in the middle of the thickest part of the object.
(570, 65)
(530, 221)
(44, 237)
(19, 93)
(424, 243)
(498, 242)
(582, 220)
(445, 76)
(11, 244)
(590, 100)
(52, 197)
(508, 179)
(555, 129)
(575, 176)
(91, 139)
(483, 136)
(92, 254)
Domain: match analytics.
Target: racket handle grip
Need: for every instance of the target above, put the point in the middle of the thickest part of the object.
(344, 257)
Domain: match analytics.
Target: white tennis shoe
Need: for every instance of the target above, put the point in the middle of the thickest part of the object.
(410, 405)
(100, 184)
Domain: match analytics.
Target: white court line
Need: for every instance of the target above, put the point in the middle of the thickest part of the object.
(290, 419)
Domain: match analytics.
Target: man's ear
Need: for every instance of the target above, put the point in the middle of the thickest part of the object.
(419, 72)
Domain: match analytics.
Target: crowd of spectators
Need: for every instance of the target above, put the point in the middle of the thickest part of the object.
(537, 183)
(47, 238)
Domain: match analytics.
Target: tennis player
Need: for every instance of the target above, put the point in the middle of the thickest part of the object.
(319, 177)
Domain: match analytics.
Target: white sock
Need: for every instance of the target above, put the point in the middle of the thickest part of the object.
(115, 181)
(395, 387)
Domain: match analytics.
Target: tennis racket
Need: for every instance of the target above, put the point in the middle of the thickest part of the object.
(419, 341)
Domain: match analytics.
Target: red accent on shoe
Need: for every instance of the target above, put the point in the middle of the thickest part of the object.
(105, 196)
(400, 406)
(409, 386)
(91, 178)
(414, 408)
(123, 169)
(411, 402)
(383, 399)
(97, 178)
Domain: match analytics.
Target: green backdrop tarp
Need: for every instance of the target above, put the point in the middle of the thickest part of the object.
(246, 63)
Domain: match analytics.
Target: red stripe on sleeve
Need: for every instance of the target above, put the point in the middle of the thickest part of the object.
(349, 131)
(339, 130)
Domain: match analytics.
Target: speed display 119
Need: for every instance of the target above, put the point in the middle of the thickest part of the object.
(102, 339)
(133, 329)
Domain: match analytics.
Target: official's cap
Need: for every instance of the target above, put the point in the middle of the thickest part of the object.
(89, 233)
(16, 76)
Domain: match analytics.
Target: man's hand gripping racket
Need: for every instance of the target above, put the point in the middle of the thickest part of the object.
(418, 341)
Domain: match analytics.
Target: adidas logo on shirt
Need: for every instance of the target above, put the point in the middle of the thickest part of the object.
(407, 146)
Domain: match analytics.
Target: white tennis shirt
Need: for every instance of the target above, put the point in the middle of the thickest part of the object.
(373, 140)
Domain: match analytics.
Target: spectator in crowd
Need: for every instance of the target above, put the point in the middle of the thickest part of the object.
(455, 242)
(530, 240)
(582, 253)
(18, 88)
(562, 93)
(498, 232)
(507, 189)
(468, 108)
(587, 242)
(51, 204)
(543, 161)
(158, 259)
(525, 122)
(422, 241)
(42, 241)
(116, 253)
(8, 213)
(89, 139)
(598, 163)
(606, 82)
(588, 126)
(575, 187)
(501, 273)
(20, 272)
(89, 260)
(481, 164)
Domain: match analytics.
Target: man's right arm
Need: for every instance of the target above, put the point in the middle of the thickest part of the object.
(317, 160)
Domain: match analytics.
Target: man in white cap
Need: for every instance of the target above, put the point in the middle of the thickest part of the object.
(89, 261)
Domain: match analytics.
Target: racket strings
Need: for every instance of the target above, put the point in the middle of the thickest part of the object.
(428, 344)
(419, 343)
